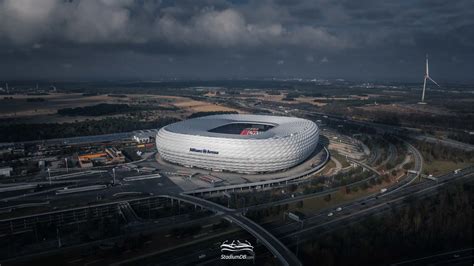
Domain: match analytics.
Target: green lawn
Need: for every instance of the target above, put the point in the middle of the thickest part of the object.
(442, 167)
(340, 158)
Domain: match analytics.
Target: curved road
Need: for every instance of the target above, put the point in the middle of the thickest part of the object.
(284, 255)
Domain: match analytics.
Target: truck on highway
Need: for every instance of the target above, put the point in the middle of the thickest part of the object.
(202, 256)
(457, 171)
(383, 190)
(413, 172)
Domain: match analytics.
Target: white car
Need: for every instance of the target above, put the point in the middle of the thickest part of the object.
(339, 209)
(330, 214)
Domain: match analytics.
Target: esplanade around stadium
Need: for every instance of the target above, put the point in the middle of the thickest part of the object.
(271, 145)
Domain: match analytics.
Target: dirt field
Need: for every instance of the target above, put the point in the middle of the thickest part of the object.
(276, 98)
(22, 111)
(405, 109)
(199, 106)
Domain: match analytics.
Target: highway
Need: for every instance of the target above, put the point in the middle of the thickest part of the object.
(273, 244)
(374, 156)
(284, 255)
(360, 208)
(366, 166)
(81, 139)
(454, 257)
(356, 210)
(372, 205)
(320, 223)
(414, 134)
(409, 179)
(446, 142)
(392, 153)
(418, 158)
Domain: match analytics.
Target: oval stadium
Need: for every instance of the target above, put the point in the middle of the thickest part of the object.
(238, 143)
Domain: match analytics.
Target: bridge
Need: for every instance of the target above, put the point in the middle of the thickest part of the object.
(278, 249)
(366, 166)
(411, 177)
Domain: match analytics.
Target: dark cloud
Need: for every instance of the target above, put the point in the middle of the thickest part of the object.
(148, 39)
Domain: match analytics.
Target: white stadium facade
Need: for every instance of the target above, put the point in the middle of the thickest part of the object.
(238, 142)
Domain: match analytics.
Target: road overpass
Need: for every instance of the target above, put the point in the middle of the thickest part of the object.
(366, 166)
(418, 158)
(280, 251)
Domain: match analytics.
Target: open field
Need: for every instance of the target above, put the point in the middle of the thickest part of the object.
(341, 159)
(406, 109)
(442, 167)
(199, 106)
(19, 109)
(337, 198)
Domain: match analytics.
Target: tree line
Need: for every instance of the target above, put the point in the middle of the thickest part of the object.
(425, 226)
(24, 132)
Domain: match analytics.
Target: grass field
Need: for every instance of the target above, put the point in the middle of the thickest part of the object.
(330, 165)
(337, 198)
(442, 167)
(340, 158)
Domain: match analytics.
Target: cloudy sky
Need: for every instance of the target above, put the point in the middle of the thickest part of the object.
(147, 39)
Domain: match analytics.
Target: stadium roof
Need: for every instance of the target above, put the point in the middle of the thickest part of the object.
(282, 126)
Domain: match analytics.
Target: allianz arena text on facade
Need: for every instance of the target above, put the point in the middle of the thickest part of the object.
(238, 143)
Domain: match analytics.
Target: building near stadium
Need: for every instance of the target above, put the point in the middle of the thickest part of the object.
(238, 142)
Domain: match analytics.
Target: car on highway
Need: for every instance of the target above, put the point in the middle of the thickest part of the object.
(339, 209)
(330, 214)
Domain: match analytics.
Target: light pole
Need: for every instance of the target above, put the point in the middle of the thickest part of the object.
(245, 211)
(298, 239)
(227, 195)
(67, 167)
(49, 175)
(59, 237)
(113, 172)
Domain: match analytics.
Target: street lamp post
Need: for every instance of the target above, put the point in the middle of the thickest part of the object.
(67, 167)
(59, 237)
(298, 239)
(49, 175)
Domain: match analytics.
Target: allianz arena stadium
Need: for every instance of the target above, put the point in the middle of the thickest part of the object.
(238, 143)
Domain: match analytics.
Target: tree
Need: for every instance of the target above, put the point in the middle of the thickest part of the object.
(300, 204)
(327, 197)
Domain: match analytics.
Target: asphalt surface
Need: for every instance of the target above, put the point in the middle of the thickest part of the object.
(371, 205)
(285, 256)
(454, 257)
(351, 212)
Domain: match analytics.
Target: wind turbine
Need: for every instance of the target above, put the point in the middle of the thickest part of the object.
(427, 76)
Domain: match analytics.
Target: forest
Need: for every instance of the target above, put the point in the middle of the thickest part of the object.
(424, 226)
(98, 110)
(24, 132)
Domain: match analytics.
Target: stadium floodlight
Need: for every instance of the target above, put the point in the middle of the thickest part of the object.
(427, 77)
